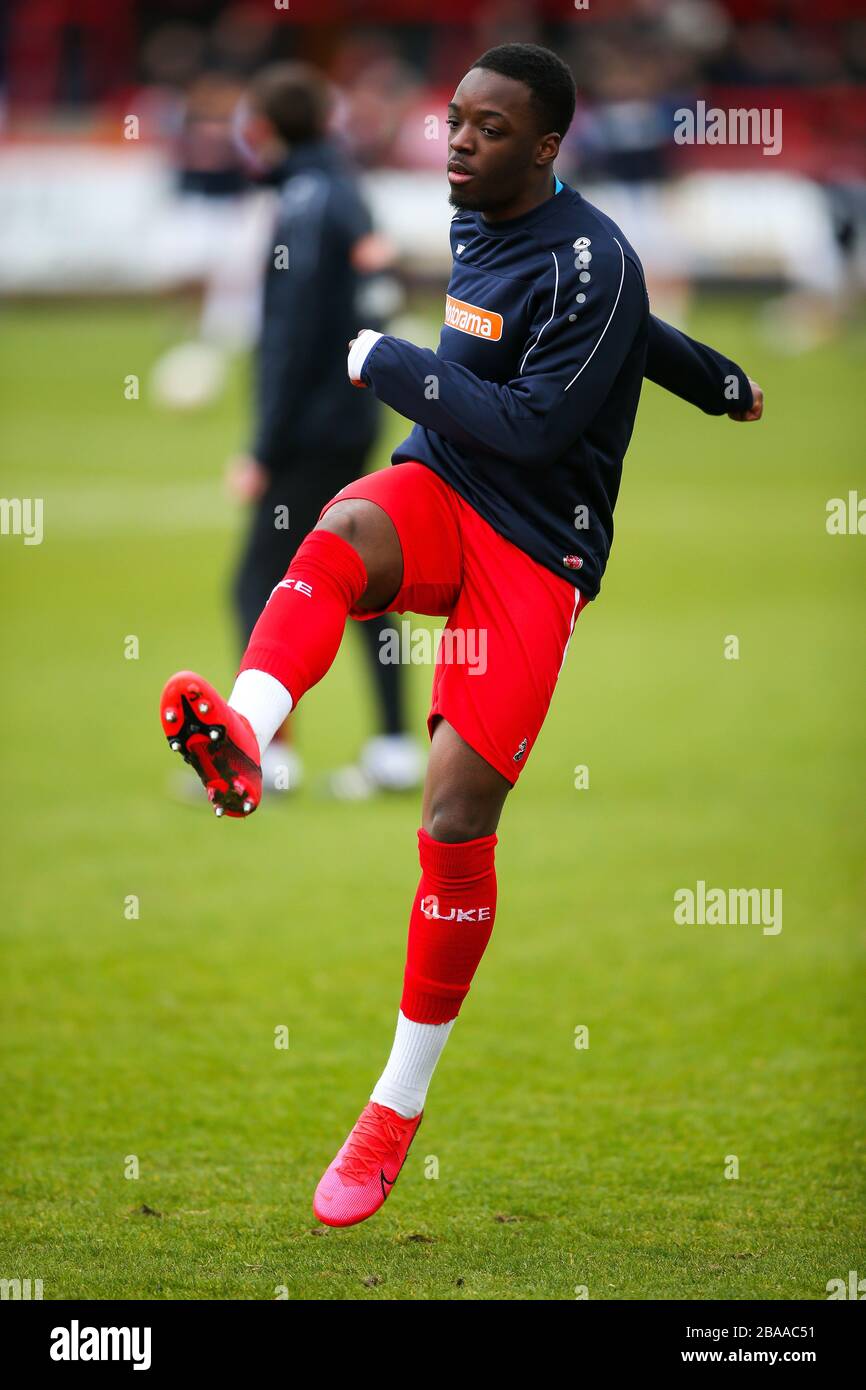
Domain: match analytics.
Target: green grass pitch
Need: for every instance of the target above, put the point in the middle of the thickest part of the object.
(559, 1168)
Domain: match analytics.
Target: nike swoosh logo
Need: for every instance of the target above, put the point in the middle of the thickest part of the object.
(391, 1181)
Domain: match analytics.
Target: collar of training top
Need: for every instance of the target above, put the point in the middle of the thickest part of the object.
(527, 219)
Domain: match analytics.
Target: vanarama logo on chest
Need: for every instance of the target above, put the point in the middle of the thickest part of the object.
(468, 318)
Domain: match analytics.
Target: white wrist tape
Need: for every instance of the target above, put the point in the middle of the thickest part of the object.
(360, 351)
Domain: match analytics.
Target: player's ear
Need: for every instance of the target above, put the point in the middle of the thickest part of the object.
(548, 148)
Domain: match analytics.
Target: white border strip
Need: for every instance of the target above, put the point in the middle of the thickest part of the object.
(577, 596)
(607, 325)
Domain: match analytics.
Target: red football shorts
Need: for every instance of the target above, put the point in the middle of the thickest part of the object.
(509, 618)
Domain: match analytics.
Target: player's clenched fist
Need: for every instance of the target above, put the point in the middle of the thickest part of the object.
(757, 409)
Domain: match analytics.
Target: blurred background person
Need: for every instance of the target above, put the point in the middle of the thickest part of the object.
(313, 433)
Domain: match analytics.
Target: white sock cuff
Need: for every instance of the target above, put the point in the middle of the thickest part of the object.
(262, 700)
(417, 1048)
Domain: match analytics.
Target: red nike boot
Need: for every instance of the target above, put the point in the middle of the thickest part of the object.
(214, 739)
(361, 1176)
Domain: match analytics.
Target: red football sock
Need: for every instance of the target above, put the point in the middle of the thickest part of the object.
(299, 632)
(450, 926)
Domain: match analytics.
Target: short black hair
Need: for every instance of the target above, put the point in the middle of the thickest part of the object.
(548, 78)
(295, 99)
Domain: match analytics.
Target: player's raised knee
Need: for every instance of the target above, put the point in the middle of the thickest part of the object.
(357, 521)
(371, 533)
(454, 819)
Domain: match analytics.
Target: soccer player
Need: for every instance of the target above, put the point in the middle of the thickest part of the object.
(498, 514)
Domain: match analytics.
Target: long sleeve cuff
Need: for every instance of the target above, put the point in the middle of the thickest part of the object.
(359, 352)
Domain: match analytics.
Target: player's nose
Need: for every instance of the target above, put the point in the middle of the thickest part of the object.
(461, 140)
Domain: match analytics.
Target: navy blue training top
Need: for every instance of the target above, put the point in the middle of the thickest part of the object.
(527, 406)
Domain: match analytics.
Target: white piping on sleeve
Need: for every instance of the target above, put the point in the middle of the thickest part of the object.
(607, 325)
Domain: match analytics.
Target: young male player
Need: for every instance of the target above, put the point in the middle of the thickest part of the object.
(497, 515)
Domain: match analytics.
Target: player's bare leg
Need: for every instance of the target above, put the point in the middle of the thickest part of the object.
(463, 794)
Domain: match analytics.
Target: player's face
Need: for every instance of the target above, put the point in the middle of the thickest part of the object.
(495, 150)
